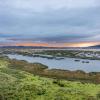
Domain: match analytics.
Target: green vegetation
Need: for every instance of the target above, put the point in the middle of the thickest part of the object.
(82, 54)
(71, 54)
(42, 70)
(20, 85)
(59, 53)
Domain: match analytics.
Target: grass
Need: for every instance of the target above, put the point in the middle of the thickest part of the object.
(20, 85)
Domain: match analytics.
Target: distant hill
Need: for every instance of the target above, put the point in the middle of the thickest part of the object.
(43, 47)
(25, 47)
(32, 47)
(94, 47)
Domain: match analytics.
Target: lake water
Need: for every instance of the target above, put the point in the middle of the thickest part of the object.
(66, 63)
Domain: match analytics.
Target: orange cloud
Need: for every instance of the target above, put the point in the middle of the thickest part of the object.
(32, 44)
(77, 44)
(82, 44)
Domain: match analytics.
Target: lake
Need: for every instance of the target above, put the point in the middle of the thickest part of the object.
(66, 63)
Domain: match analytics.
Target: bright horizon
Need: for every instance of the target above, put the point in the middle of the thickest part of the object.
(82, 44)
(54, 23)
(60, 44)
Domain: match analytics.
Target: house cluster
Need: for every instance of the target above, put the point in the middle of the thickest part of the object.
(89, 54)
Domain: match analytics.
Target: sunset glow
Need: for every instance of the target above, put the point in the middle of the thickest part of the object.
(82, 44)
(32, 44)
(52, 23)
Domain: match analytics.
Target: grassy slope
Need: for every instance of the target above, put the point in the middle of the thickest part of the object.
(20, 85)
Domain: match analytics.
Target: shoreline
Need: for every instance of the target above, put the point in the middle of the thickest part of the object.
(42, 70)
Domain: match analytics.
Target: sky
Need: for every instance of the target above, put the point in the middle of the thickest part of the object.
(51, 23)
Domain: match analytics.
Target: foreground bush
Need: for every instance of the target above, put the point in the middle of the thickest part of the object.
(16, 84)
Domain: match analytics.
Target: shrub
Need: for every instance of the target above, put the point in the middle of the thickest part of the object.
(59, 82)
(98, 95)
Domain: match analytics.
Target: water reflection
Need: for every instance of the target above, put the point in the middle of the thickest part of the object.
(64, 63)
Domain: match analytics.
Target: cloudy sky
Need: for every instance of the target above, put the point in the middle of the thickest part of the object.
(50, 22)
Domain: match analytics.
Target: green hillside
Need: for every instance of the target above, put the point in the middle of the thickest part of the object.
(20, 85)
